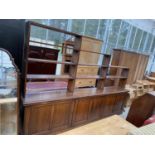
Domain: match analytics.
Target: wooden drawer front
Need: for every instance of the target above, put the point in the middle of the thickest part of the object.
(85, 82)
(84, 70)
(90, 44)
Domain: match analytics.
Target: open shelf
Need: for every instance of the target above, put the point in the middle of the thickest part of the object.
(47, 76)
(49, 44)
(50, 61)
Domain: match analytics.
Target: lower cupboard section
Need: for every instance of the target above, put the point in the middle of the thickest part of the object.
(57, 116)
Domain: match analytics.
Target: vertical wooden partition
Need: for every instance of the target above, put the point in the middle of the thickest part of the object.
(73, 68)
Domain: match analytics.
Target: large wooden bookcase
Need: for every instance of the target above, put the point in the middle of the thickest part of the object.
(136, 62)
(50, 112)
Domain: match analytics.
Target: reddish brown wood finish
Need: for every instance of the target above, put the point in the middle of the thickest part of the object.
(56, 116)
(51, 112)
(107, 107)
(43, 54)
(137, 66)
(39, 119)
(61, 116)
(141, 109)
(95, 109)
(80, 113)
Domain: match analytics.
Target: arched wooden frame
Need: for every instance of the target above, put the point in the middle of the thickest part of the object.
(18, 86)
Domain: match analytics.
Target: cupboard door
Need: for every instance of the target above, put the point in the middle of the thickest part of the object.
(61, 116)
(80, 113)
(39, 119)
(119, 104)
(95, 109)
(107, 105)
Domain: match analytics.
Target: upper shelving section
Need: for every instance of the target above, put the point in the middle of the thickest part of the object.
(78, 59)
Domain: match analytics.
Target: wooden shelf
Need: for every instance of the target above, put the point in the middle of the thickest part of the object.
(89, 77)
(105, 66)
(118, 67)
(115, 77)
(50, 61)
(88, 65)
(92, 52)
(47, 76)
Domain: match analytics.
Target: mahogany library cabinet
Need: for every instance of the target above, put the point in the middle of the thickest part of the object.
(85, 98)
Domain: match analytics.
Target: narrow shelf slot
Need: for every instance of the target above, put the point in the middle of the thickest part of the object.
(89, 77)
(105, 66)
(115, 77)
(50, 61)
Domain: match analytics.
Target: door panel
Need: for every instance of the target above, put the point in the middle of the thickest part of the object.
(95, 108)
(80, 113)
(39, 119)
(61, 116)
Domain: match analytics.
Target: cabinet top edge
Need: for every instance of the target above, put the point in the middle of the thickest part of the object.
(61, 95)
